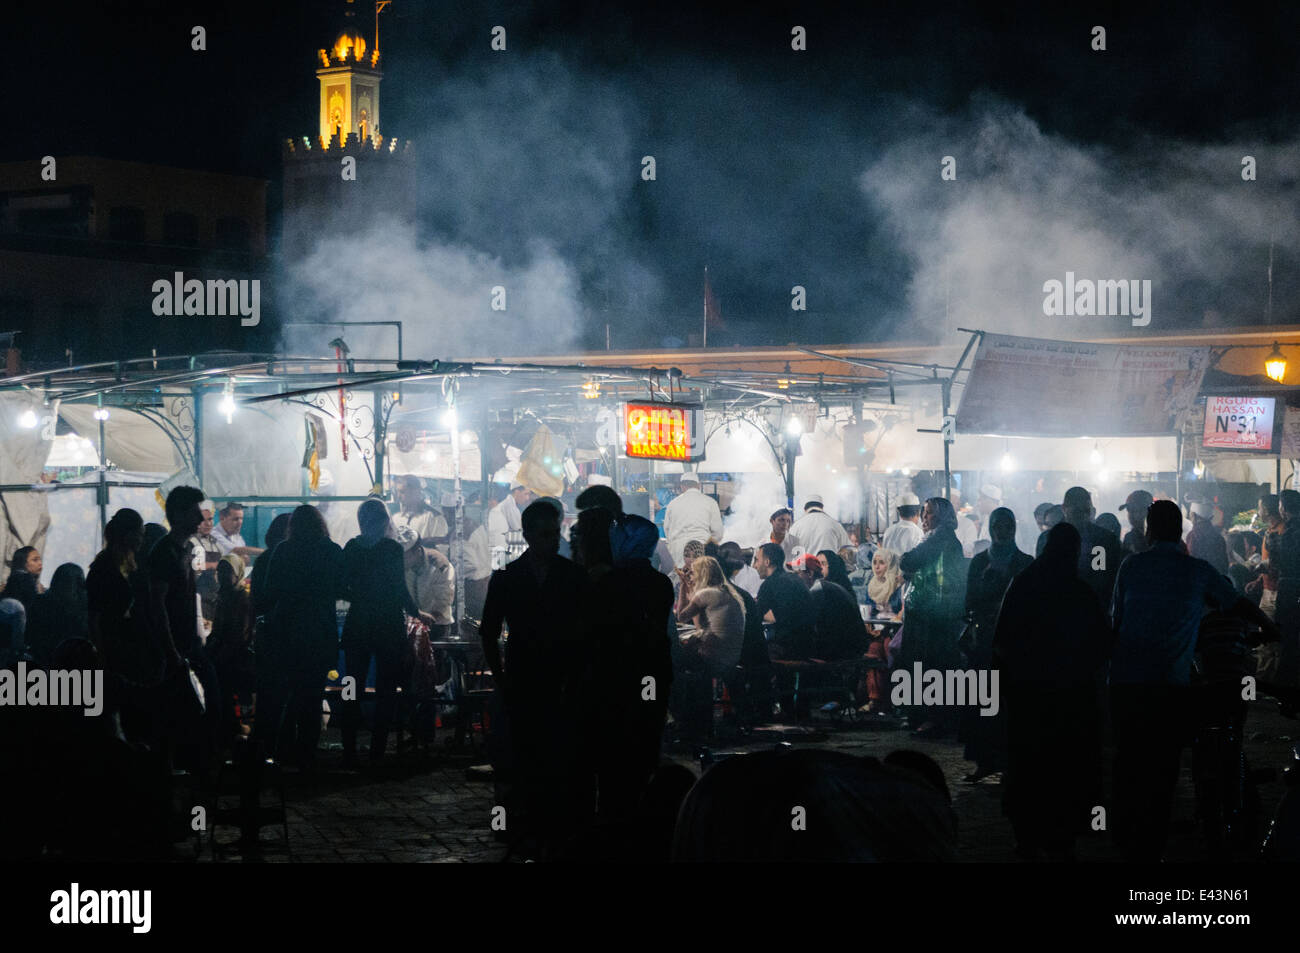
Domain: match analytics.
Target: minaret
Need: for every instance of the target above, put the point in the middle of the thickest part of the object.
(324, 192)
(349, 84)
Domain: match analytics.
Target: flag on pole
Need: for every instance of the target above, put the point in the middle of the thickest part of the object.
(712, 313)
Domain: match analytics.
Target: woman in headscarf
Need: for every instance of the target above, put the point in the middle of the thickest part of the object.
(991, 571)
(835, 569)
(626, 616)
(885, 587)
(374, 575)
(885, 595)
(58, 613)
(24, 582)
(1052, 638)
(230, 646)
(934, 605)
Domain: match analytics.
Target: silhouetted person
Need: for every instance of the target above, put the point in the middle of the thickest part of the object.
(541, 678)
(174, 612)
(374, 578)
(58, 613)
(1160, 597)
(230, 644)
(109, 596)
(1136, 506)
(1284, 561)
(1100, 553)
(850, 810)
(934, 607)
(275, 535)
(991, 572)
(627, 610)
(1205, 541)
(1050, 643)
(297, 639)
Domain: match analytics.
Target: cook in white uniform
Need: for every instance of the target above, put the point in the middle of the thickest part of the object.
(691, 515)
(817, 530)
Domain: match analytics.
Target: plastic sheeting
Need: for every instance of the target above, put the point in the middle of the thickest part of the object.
(24, 517)
(75, 535)
(131, 440)
(259, 452)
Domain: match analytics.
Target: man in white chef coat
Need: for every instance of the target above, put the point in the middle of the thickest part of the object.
(691, 515)
(817, 530)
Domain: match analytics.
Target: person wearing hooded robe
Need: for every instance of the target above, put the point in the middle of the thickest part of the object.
(1051, 641)
(627, 614)
(934, 607)
(991, 572)
(374, 580)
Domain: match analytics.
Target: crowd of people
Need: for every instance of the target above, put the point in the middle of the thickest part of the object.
(603, 639)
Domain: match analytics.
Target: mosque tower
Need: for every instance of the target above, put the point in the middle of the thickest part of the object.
(323, 193)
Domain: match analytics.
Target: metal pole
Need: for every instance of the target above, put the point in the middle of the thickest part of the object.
(457, 545)
(103, 471)
(947, 471)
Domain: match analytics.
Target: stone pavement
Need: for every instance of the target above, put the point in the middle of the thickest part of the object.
(426, 810)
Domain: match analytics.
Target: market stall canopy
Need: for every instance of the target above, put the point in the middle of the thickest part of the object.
(132, 440)
(1035, 387)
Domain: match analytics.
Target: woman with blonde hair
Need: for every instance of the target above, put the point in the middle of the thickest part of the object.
(885, 585)
(720, 610)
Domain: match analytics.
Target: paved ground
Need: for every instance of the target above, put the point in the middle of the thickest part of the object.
(424, 810)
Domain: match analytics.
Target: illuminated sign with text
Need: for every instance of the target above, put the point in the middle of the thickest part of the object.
(664, 431)
(1239, 423)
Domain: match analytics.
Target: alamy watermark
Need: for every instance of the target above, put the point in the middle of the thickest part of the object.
(216, 297)
(947, 687)
(1126, 297)
(97, 907)
(57, 688)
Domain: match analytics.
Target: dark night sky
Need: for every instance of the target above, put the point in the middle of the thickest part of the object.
(762, 151)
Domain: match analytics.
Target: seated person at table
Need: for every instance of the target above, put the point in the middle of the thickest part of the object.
(719, 611)
(784, 600)
(885, 587)
(840, 632)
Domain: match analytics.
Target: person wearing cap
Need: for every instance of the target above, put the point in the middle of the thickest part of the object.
(906, 534)
(817, 530)
(781, 534)
(416, 513)
(1135, 507)
(504, 519)
(431, 580)
(691, 515)
(1205, 541)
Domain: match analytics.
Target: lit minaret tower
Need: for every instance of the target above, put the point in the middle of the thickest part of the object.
(324, 194)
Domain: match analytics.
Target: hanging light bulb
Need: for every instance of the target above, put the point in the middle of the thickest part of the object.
(1199, 469)
(27, 419)
(227, 404)
(1008, 463)
(794, 426)
(1275, 364)
(1096, 456)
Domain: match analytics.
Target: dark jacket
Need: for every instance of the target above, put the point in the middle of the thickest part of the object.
(303, 581)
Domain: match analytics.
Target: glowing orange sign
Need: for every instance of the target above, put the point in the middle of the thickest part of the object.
(663, 432)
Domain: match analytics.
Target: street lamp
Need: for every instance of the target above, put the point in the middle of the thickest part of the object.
(1275, 364)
